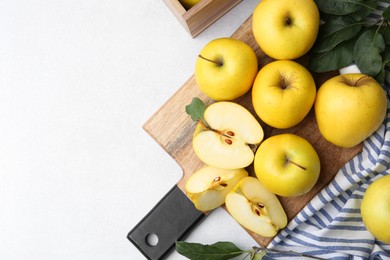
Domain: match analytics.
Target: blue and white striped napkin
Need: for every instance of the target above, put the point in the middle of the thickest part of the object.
(331, 226)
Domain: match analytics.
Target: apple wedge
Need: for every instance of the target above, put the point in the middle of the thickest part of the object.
(256, 208)
(229, 138)
(207, 187)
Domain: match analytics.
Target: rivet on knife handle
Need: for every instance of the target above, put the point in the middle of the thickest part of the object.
(170, 220)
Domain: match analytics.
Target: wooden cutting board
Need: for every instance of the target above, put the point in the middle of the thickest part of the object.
(173, 129)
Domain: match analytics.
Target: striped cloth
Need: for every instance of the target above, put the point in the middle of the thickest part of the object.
(331, 226)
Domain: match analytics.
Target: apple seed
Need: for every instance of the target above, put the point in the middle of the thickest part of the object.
(231, 133)
(228, 141)
(260, 205)
(217, 184)
(258, 208)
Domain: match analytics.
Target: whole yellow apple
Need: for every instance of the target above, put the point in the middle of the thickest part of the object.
(187, 4)
(283, 93)
(287, 165)
(349, 108)
(375, 209)
(226, 68)
(285, 29)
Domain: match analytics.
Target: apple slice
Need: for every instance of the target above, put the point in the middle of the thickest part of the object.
(256, 208)
(207, 187)
(229, 138)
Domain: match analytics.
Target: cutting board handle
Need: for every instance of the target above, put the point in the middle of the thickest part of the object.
(170, 220)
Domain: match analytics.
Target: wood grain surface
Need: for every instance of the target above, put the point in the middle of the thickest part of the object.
(173, 129)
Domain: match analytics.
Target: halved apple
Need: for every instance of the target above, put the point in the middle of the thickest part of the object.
(207, 187)
(256, 208)
(229, 139)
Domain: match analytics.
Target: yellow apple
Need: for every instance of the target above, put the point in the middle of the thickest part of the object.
(283, 93)
(287, 165)
(375, 209)
(187, 4)
(207, 187)
(225, 69)
(229, 138)
(285, 29)
(349, 108)
(256, 208)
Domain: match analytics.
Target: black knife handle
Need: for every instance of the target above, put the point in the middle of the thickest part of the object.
(170, 220)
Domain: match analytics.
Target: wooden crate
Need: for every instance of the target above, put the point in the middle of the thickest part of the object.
(200, 16)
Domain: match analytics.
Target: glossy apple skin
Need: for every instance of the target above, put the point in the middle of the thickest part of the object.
(347, 114)
(375, 209)
(187, 4)
(234, 77)
(283, 93)
(285, 29)
(276, 163)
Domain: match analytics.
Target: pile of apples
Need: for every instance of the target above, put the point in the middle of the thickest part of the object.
(348, 109)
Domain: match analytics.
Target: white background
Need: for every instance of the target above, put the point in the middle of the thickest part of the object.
(78, 79)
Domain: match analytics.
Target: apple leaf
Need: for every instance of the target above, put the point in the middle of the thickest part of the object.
(335, 31)
(196, 109)
(386, 13)
(385, 60)
(386, 35)
(365, 10)
(228, 250)
(339, 7)
(367, 52)
(217, 251)
(334, 59)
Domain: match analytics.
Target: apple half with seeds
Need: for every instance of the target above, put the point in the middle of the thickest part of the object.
(207, 187)
(256, 208)
(228, 136)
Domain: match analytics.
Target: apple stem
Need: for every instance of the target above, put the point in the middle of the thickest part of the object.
(358, 81)
(229, 134)
(300, 166)
(204, 123)
(257, 249)
(219, 63)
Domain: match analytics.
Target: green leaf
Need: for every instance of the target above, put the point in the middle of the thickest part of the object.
(334, 59)
(386, 13)
(367, 8)
(385, 59)
(217, 251)
(367, 52)
(196, 109)
(339, 7)
(386, 34)
(335, 31)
